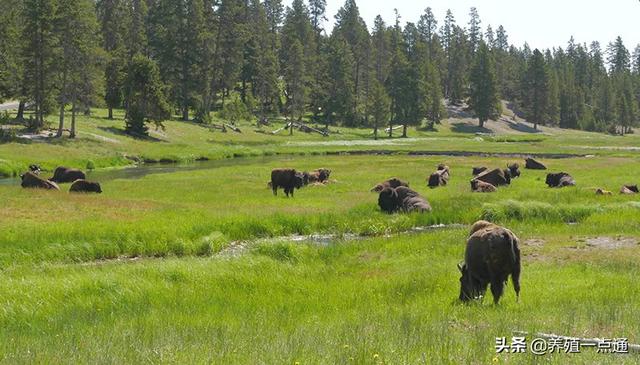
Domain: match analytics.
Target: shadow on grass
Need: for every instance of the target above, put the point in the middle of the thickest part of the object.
(122, 132)
(466, 128)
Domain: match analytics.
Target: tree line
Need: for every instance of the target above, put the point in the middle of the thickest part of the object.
(158, 57)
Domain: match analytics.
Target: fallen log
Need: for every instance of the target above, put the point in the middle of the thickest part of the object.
(233, 128)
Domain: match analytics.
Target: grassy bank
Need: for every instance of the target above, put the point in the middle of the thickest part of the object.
(102, 143)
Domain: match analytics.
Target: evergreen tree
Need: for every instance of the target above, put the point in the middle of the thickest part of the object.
(428, 28)
(490, 38)
(535, 90)
(475, 30)
(619, 57)
(137, 28)
(265, 73)
(11, 69)
(76, 29)
(435, 110)
(146, 101)
(341, 99)
(112, 15)
(353, 29)
(636, 60)
(296, 79)
(484, 97)
(39, 53)
(380, 104)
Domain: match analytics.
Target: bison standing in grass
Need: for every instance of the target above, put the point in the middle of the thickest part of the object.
(32, 180)
(491, 256)
(391, 183)
(287, 179)
(84, 186)
(67, 175)
(402, 199)
(560, 180)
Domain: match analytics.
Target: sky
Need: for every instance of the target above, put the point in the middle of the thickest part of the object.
(541, 23)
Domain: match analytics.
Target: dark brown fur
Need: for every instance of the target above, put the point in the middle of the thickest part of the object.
(288, 179)
(560, 180)
(84, 186)
(67, 175)
(491, 256)
(32, 180)
(391, 183)
(478, 186)
(532, 164)
(402, 199)
(494, 177)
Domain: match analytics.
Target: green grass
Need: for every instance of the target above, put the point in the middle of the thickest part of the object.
(194, 264)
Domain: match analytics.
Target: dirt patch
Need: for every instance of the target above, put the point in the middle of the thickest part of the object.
(534, 242)
(606, 243)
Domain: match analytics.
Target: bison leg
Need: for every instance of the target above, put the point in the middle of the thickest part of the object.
(274, 187)
(497, 288)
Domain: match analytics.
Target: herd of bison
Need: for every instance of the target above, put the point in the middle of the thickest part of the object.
(492, 252)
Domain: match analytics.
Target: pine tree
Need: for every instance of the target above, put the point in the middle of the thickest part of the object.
(428, 28)
(144, 91)
(490, 38)
(112, 15)
(475, 30)
(619, 58)
(11, 69)
(76, 30)
(484, 97)
(381, 50)
(264, 79)
(39, 52)
(296, 79)
(435, 110)
(353, 29)
(535, 90)
(341, 99)
(136, 29)
(380, 104)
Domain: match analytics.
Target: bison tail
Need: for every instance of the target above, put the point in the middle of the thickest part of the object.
(515, 260)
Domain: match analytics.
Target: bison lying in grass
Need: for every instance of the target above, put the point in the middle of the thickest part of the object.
(491, 256)
(514, 170)
(67, 175)
(32, 180)
(84, 186)
(440, 177)
(478, 170)
(287, 179)
(478, 186)
(629, 189)
(495, 177)
(391, 183)
(560, 180)
(402, 199)
(532, 164)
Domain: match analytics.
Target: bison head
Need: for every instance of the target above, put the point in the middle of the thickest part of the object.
(470, 288)
(298, 180)
(388, 200)
(474, 185)
(553, 180)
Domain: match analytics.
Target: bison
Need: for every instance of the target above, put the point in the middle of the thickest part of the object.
(514, 169)
(478, 186)
(403, 199)
(391, 183)
(603, 192)
(84, 186)
(491, 256)
(288, 179)
(67, 175)
(532, 164)
(319, 176)
(35, 169)
(629, 189)
(478, 170)
(560, 180)
(495, 177)
(32, 180)
(440, 177)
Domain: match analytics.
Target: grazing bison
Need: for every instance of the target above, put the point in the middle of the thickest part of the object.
(288, 179)
(403, 199)
(532, 164)
(84, 186)
(495, 177)
(560, 180)
(478, 170)
(67, 175)
(514, 169)
(478, 186)
(629, 189)
(32, 180)
(603, 192)
(491, 255)
(391, 183)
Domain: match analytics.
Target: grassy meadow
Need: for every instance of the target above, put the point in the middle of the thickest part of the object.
(202, 264)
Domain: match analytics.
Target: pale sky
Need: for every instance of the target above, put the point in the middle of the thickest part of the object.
(541, 23)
